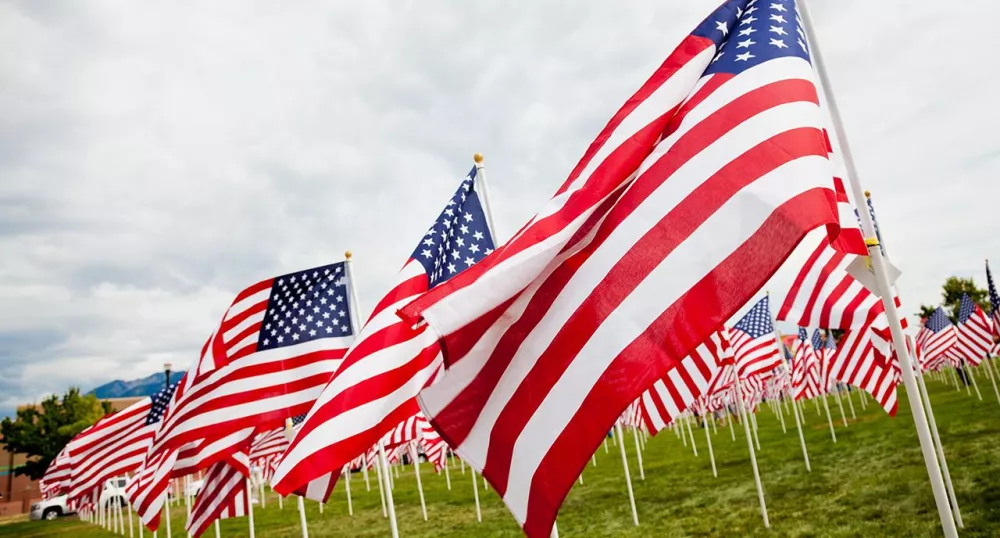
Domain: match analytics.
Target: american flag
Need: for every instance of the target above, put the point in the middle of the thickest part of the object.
(375, 388)
(753, 341)
(224, 494)
(56, 480)
(275, 349)
(994, 303)
(859, 362)
(937, 338)
(683, 207)
(804, 367)
(116, 444)
(700, 374)
(975, 332)
(268, 446)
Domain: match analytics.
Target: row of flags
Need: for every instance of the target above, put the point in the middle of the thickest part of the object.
(613, 299)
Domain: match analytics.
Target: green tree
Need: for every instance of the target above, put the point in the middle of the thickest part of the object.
(41, 431)
(951, 294)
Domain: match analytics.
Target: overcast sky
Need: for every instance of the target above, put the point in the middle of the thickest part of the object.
(156, 157)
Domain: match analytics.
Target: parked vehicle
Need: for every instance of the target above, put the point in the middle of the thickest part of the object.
(114, 492)
(50, 509)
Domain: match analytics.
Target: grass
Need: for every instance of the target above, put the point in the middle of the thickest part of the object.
(872, 482)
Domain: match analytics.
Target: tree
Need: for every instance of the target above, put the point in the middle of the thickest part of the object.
(42, 431)
(951, 294)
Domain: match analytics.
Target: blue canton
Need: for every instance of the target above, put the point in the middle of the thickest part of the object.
(160, 400)
(459, 238)
(305, 306)
(871, 211)
(965, 308)
(764, 30)
(938, 321)
(757, 322)
(830, 343)
(994, 297)
(817, 340)
(803, 335)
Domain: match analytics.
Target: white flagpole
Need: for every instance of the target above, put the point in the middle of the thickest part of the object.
(989, 373)
(715, 422)
(388, 491)
(593, 457)
(364, 472)
(447, 473)
(416, 471)
(694, 446)
(972, 376)
(253, 531)
(288, 435)
(861, 398)
(753, 455)
(882, 280)
(781, 417)
(281, 502)
(829, 418)
(680, 430)
(166, 506)
(462, 463)
(628, 477)
(475, 493)
(638, 455)
(381, 489)
(218, 534)
(484, 195)
(802, 440)
(730, 419)
(346, 471)
(708, 439)
(753, 422)
(840, 404)
(850, 404)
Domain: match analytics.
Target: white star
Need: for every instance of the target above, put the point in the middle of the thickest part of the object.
(319, 323)
(779, 30)
(309, 318)
(722, 27)
(281, 339)
(748, 20)
(717, 56)
(452, 268)
(801, 44)
(295, 336)
(745, 44)
(341, 313)
(747, 31)
(326, 315)
(449, 212)
(473, 248)
(478, 235)
(329, 329)
(266, 341)
(322, 301)
(295, 321)
(469, 262)
(425, 253)
(447, 223)
(428, 241)
(464, 229)
(460, 242)
(778, 7)
(778, 43)
(302, 327)
(340, 298)
(468, 217)
(312, 332)
(744, 57)
(778, 18)
(455, 254)
(488, 251)
(343, 328)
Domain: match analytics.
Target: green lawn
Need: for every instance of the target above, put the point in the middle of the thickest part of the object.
(872, 482)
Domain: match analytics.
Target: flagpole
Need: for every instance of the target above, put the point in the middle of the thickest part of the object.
(708, 439)
(638, 455)
(364, 472)
(989, 373)
(850, 403)
(475, 493)
(381, 488)
(253, 532)
(888, 301)
(302, 505)
(388, 491)
(484, 196)
(753, 455)
(346, 471)
(932, 422)
(447, 473)
(628, 477)
(416, 471)
(166, 506)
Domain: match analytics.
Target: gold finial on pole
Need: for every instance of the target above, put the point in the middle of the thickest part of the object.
(868, 194)
(347, 254)
(478, 157)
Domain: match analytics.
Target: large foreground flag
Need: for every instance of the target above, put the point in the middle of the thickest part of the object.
(375, 388)
(682, 208)
(975, 332)
(277, 345)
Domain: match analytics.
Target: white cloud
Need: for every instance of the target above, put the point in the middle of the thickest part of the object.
(155, 158)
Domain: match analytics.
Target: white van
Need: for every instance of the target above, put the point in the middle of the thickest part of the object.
(50, 509)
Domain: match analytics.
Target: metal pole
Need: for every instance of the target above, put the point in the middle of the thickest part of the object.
(628, 478)
(753, 455)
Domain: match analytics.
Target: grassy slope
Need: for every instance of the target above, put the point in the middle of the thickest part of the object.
(871, 483)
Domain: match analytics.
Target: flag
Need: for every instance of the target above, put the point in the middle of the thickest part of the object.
(699, 374)
(994, 303)
(374, 389)
(277, 345)
(753, 342)
(56, 480)
(116, 444)
(937, 338)
(223, 494)
(804, 368)
(683, 207)
(859, 362)
(975, 332)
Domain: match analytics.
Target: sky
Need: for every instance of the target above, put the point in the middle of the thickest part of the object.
(158, 157)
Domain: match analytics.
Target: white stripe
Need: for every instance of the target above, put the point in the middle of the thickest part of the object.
(248, 302)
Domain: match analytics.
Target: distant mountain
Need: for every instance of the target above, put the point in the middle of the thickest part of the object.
(146, 386)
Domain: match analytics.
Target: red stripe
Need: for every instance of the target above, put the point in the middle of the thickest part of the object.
(793, 293)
